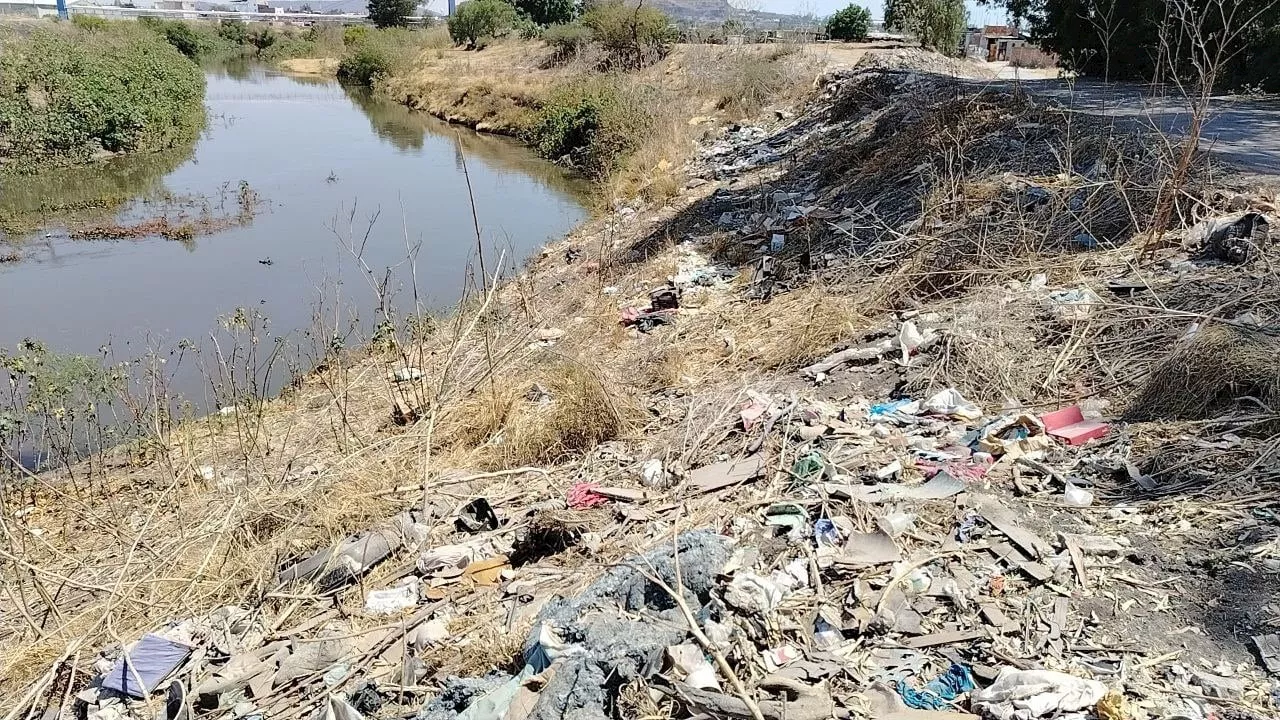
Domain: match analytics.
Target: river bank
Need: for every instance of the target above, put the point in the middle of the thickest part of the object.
(926, 232)
(71, 94)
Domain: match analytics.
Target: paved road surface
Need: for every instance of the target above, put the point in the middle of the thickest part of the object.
(1244, 132)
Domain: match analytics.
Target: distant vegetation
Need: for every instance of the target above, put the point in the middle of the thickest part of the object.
(72, 92)
(938, 24)
(851, 23)
(391, 13)
(1160, 39)
(478, 21)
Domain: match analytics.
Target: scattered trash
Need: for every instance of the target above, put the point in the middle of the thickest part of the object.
(1070, 425)
(651, 474)
(1070, 306)
(691, 662)
(938, 693)
(144, 668)
(1237, 239)
(407, 374)
(548, 336)
(951, 403)
(583, 496)
(477, 516)
(1025, 694)
(726, 474)
(1077, 497)
(402, 596)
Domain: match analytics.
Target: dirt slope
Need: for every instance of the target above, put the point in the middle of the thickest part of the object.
(950, 237)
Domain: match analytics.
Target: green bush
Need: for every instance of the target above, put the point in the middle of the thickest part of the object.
(89, 22)
(851, 23)
(381, 53)
(354, 34)
(365, 65)
(527, 29)
(478, 20)
(67, 93)
(568, 40)
(262, 38)
(593, 125)
(179, 34)
(548, 12)
(633, 37)
(234, 31)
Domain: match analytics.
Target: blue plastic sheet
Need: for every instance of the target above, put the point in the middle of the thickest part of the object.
(140, 671)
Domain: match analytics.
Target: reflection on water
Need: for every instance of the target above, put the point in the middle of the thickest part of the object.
(90, 191)
(330, 163)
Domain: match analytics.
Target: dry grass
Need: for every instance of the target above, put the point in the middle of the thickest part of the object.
(544, 415)
(1210, 373)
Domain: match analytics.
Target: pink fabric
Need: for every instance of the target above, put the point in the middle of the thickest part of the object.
(583, 496)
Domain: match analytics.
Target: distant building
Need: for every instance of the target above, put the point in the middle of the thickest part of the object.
(994, 43)
(29, 8)
(186, 7)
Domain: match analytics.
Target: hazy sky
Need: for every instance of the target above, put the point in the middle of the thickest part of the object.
(978, 14)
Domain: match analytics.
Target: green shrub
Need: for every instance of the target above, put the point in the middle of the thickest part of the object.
(851, 23)
(354, 34)
(262, 38)
(365, 65)
(381, 53)
(527, 29)
(67, 93)
(391, 13)
(592, 124)
(478, 20)
(633, 37)
(568, 40)
(548, 12)
(179, 34)
(89, 22)
(235, 31)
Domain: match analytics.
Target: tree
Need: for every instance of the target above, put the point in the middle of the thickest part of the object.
(1133, 39)
(633, 36)
(937, 24)
(478, 20)
(391, 13)
(851, 23)
(262, 38)
(548, 12)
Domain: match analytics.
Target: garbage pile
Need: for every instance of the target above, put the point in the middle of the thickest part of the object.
(910, 558)
(916, 553)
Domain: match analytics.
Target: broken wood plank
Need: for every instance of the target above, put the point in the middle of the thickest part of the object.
(949, 637)
(726, 474)
(1004, 520)
(1017, 559)
(996, 618)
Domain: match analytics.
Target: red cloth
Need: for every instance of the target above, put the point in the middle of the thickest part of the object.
(583, 496)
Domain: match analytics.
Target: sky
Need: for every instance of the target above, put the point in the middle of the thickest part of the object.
(978, 14)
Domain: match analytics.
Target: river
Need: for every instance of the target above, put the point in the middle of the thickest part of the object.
(323, 161)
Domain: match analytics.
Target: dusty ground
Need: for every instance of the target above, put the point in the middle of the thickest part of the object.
(326, 67)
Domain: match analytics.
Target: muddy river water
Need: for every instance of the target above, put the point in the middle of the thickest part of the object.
(324, 161)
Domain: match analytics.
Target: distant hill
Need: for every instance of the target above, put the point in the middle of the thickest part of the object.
(717, 11)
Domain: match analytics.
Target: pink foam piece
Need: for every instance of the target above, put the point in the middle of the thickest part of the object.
(1069, 424)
